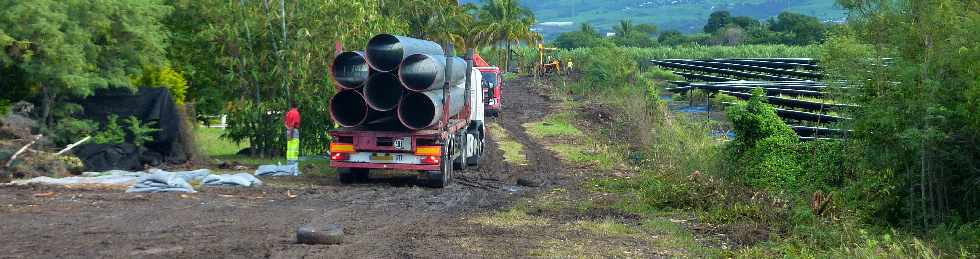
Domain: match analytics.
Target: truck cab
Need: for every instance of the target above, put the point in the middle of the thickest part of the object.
(491, 84)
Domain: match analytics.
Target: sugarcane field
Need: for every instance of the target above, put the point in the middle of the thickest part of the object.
(489, 129)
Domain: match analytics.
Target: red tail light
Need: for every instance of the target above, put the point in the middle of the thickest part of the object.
(340, 156)
(430, 160)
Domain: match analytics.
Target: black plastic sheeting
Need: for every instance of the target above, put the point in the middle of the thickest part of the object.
(105, 157)
(148, 105)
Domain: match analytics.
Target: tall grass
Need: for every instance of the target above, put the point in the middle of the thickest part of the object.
(525, 57)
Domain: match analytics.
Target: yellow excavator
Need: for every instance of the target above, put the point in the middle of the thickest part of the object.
(553, 65)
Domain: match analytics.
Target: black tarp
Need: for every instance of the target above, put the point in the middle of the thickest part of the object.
(148, 105)
(104, 157)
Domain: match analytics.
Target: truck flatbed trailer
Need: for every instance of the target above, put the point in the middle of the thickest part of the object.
(454, 143)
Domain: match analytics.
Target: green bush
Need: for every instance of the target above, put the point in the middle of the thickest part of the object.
(822, 162)
(763, 153)
(253, 123)
(661, 75)
(69, 130)
(4, 107)
(166, 78)
(720, 99)
(142, 133)
(604, 70)
(769, 164)
(112, 133)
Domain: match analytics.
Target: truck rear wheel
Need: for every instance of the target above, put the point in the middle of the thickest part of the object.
(437, 179)
(352, 175)
(443, 177)
(461, 146)
(474, 138)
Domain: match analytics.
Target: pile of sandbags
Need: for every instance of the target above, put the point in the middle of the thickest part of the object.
(396, 84)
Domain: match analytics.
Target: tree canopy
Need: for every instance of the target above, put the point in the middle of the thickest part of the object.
(70, 48)
(586, 36)
(722, 28)
(912, 66)
(798, 29)
(504, 21)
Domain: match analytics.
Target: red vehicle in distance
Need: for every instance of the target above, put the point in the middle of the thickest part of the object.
(492, 83)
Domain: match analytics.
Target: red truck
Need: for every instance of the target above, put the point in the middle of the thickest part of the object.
(492, 84)
(454, 144)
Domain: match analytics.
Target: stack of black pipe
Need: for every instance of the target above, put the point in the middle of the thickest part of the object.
(397, 83)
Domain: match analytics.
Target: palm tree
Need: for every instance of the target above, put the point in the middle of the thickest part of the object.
(504, 21)
(624, 29)
(443, 21)
(587, 29)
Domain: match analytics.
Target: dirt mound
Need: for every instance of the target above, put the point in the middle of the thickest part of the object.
(16, 134)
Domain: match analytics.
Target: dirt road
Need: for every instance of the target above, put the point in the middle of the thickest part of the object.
(385, 218)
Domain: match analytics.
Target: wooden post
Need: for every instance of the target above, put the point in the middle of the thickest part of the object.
(22, 149)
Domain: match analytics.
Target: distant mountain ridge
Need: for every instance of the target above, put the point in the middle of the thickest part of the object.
(685, 15)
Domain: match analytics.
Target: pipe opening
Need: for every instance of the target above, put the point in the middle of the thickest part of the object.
(417, 111)
(350, 70)
(383, 91)
(348, 108)
(419, 72)
(385, 52)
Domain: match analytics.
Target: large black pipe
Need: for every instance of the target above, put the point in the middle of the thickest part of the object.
(349, 109)
(423, 72)
(383, 91)
(386, 51)
(350, 69)
(420, 110)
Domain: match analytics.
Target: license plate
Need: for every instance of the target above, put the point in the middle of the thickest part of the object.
(385, 158)
(382, 157)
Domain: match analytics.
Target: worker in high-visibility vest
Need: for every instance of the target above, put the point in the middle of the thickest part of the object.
(292, 134)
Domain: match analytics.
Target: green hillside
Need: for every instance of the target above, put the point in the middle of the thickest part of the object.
(685, 15)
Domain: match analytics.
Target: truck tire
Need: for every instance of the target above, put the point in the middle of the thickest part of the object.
(475, 138)
(352, 175)
(443, 177)
(437, 179)
(459, 163)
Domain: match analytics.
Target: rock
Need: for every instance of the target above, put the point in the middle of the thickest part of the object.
(22, 108)
(330, 234)
(527, 181)
(15, 126)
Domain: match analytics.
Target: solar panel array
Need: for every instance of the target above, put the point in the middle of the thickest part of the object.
(792, 85)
